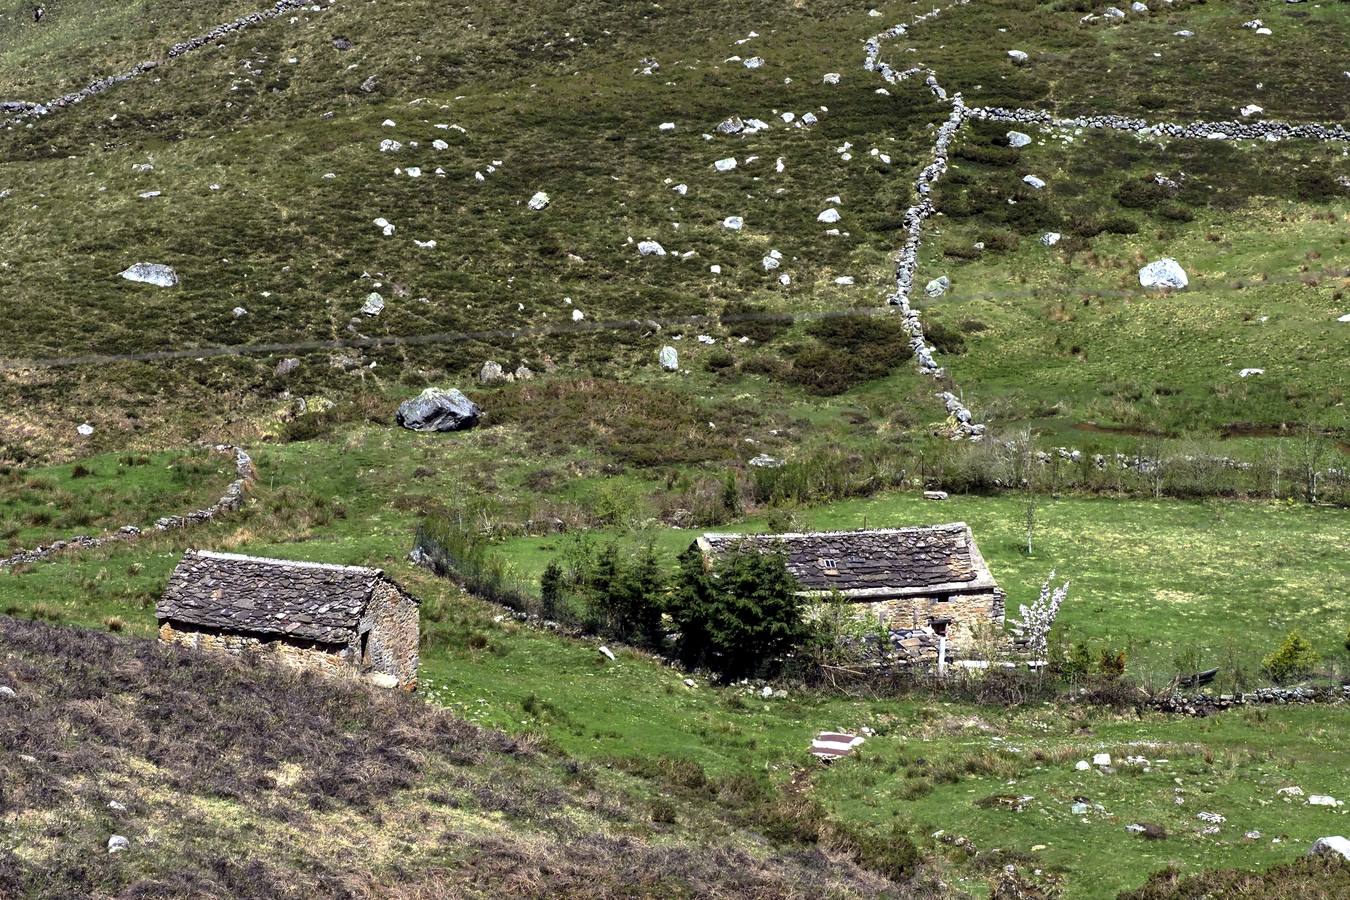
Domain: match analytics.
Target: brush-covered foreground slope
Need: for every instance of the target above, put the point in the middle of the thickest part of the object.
(267, 164)
(230, 780)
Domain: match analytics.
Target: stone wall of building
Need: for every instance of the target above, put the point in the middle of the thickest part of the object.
(332, 660)
(392, 622)
(964, 611)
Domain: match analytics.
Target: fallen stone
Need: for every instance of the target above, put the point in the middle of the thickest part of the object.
(1163, 273)
(539, 201)
(438, 410)
(1331, 846)
(374, 304)
(607, 653)
(151, 273)
(118, 844)
(1050, 238)
(1018, 139)
(651, 248)
(491, 373)
(669, 358)
(765, 461)
(938, 286)
(935, 495)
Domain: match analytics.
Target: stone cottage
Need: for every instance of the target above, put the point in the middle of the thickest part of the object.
(921, 583)
(337, 619)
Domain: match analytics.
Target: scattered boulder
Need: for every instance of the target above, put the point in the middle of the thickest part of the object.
(1164, 273)
(1017, 56)
(733, 223)
(935, 495)
(651, 248)
(1051, 238)
(938, 286)
(491, 373)
(831, 78)
(765, 461)
(669, 358)
(1018, 139)
(1331, 846)
(1034, 182)
(118, 844)
(438, 410)
(725, 165)
(524, 373)
(539, 201)
(374, 304)
(287, 366)
(6, 691)
(607, 653)
(829, 216)
(341, 43)
(151, 273)
(732, 125)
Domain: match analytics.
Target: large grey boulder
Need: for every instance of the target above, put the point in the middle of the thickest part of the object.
(438, 410)
(1018, 139)
(151, 273)
(1164, 273)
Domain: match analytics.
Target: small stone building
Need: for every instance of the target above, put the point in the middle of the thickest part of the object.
(921, 583)
(337, 619)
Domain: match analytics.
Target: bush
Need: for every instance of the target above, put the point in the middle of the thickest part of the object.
(550, 591)
(1111, 662)
(1294, 659)
(851, 350)
(739, 618)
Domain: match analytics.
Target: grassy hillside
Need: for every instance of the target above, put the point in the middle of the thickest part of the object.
(255, 168)
(230, 780)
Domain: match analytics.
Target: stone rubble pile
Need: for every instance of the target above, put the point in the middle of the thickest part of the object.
(230, 501)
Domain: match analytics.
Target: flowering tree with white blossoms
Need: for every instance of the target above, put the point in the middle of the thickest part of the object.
(1037, 619)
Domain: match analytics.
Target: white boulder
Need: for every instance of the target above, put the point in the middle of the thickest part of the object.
(1163, 273)
(151, 273)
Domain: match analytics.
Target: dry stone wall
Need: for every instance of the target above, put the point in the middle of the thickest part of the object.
(962, 421)
(22, 112)
(229, 501)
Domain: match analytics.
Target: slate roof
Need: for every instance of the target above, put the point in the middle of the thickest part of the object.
(880, 563)
(254, 595)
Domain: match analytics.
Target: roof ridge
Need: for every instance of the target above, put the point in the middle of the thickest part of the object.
(909, 529)
(287, 563)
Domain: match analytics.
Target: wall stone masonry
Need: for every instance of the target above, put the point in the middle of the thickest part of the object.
(1226, 131)
(26, 112)
(230, 501)
(1208, 704)
(962, 422)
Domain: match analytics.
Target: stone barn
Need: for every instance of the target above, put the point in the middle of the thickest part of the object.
(921, 583)
(337, 619)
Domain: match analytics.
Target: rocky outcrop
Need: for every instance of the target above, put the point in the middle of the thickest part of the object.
(230, 501)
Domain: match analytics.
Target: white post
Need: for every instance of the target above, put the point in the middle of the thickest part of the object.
(942, 655)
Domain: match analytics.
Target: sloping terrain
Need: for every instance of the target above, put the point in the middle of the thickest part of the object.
(344, 191)
(243, 781)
